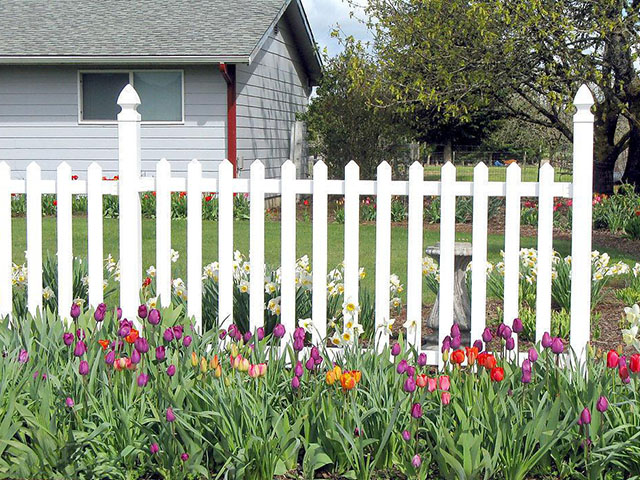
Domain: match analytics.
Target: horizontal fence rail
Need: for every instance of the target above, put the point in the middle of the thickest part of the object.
(131, 184)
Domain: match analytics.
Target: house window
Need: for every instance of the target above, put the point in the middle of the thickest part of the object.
(160, 91)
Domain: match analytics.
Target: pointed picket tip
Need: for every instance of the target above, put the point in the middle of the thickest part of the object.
(194, 167)
(448, 167)
(584, 97)
(320, 167)
(258, 164)
(163, 165)
(94, 167)
(480, 167)
(33, 167)
(4, 167)
(513, 167)
(63, 167)
(352, 166)
(415, 167)
(129, 98)
(288, 168)
(384, 167)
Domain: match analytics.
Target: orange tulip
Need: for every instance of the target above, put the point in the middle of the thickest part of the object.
(104, 343)
(357, 375)
(457, 357)
(348, 381)
(330, 378)
(132, 336)
(214, 362)
(472, 354)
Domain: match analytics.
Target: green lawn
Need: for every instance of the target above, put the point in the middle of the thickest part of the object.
(464, 173)
(272, 238)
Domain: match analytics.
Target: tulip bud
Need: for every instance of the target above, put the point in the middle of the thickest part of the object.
(244, 365)
(154, 448)
(402, 366)
(445, 356)
(279, 330)
(602, 404)
(416, 461)
(98, 315)
(177, 332)
(141, 345)
(634, 364)
(395, 350)
(67, 338)
(118, 313)
(310, 365)
(510, 344)
(416, 410)
(446, 344)
(171, 370)
(154, 316)
(75, 311)
(298, 344)
(170, 415)
(218, 371)
(422, 359)
(247, 337)
(80, 349)
(184, 457)
(456, 342)
(486, 335)
(500, 330)
(506, 332)
(406, 436)
(585, 416)
(297, 370)
(69, 402)
(411, 371)
(455, 330)
(443, 382)
(110, 357)
(203, 365)
(557, 346)
(533, 355)
(478, 344)
(223, 334)
(135, 356)
(194, 359)
(186, 341)
(295, 383)
(546, 340)
(526, 376)
(160, 353)
(260, 333)
(432, 384)
(445, 398)
(143, 379)
(83, 369)
(409, 385)
(517, 325)
(142, 311)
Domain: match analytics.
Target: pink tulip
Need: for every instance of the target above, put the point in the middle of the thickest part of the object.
(432, 384)
(446, 398)
(443, 382)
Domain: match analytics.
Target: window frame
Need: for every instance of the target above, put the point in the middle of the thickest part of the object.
(82, 121)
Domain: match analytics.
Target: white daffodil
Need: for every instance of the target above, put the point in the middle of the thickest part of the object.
(307, 324)
(47, 293)
(175, 255)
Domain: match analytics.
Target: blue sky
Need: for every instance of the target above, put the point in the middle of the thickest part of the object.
(324, 15)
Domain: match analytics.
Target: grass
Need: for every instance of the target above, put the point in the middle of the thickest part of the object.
(272, 245)
(464, 173)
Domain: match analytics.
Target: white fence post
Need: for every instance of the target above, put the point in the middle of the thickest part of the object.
(34, 238)
(288, 246)
(351, 234)
(95, 234)
(163, 232)
(479, 251)
(6, 303)
(65, 238)
(256, 246)
(545, 251)
(194, 243)
(414, 254)
(319, 270)
(129, 202)
(581, 227)
(225, 244)
(383, 253)
(512, 243)
(447, 248)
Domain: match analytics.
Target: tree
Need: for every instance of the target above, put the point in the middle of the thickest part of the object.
(462, 56)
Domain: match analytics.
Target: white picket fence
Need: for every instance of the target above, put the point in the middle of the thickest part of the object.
(130, 184)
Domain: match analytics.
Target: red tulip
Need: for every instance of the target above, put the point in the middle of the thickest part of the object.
(457, 357)
(612, 359)
(634, 364)
(497, 374)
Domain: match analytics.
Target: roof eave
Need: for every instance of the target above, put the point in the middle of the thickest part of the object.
(121, 59)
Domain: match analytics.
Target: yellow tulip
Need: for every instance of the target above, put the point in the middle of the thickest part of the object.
(203, 365)
(194, 359)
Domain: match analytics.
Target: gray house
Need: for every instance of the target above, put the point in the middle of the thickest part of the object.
(217, 79)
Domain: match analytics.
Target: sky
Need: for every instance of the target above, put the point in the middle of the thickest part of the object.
(324, 15)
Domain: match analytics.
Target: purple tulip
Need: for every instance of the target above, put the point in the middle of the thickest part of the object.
(223, 334)
(406, 436)
(533, 355)
(478, 344)
(455, 330)
(168, 335)
(402, 366)
(171, 370)
(161, 353)
(416, 461)
(526, 376)
(83, 369)
(299, 333)
(110, 358)
(141, 345)
(416, 410)
(602, 404)
(69, 402)
(510, 343)
(135, 356)
(260, 333)
(36, 374)
(298, 344)
(315, 353)
(153, 448)
(486, 335)
(154, 316)
(311, 364)
(186, 341)
(295, 383)
(279, 330)
(506, 332)
(517, 325)
(142, 311)
(409, 385)
(395, 350)
(546, 340)
(125, 328)
(75, 311)
(557, 346)
(318, 360)
(177, 332)
(500, 330)
(143, 379)
(80, 349)
(585, 416)
(297, 370)
(184, 457)
(80, 335)
(411, 371)
(118, 313)
(446, 344)
(67, 338)
(247, 337)
(622, 361)
(170, 415)
(526, 365)
(422, 359)
(456, 342)
(23, 356)
(101, 310)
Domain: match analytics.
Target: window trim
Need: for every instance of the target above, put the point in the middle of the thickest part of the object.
(82, 121)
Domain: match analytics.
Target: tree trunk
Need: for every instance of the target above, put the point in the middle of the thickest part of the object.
(632, 170)
(605, 152)
(448, 151)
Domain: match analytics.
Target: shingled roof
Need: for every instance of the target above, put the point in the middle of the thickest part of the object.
(39, 31)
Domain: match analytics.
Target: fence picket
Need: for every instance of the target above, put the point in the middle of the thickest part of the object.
(545, 251)
(194, 243)
(288, 246)
(383, 254)
(351, 234)
(581, 217)
(447, 245)
(163, 233)
(319, 270)
(6, 294)
(479, 252)
(34, 238)
(225, 244)
(414, 255)
(256, 246)
(95, 248)
(512, 243)
(65, 238)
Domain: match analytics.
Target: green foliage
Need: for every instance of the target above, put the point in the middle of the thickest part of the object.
(614, 212)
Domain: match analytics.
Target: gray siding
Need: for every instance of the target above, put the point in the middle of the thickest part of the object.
(270, 92)
(39, 122)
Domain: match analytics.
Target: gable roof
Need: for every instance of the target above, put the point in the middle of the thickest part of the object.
(146, 31)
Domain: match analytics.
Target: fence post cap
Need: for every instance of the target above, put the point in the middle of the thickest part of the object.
(583, 97)
(128, 97)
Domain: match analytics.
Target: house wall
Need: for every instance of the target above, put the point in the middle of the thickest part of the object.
(270, 92)
(39, 122)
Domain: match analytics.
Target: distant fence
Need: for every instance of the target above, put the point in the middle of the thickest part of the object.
(130, 184)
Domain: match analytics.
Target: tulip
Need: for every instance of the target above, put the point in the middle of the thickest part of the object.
(83, 369)
(526, 366)
(456, 341)
(457, 357)
(416, 461)
(416, 410)
(318, 360)
(409, 385)
(143, 379)
(422, 359)
(497, 374)
(110, 357)
(300, 333)
(168, 335)
(634, 364)
(510, 344)
(445, 356)
(154, 316)
(177, 332)
(184, 457)
(557, 346)
(612, 359)
(23, 356)
(218, 371)
(80, 349)
(223, 334)
(141, 345)
(244, 365)
(402, 366)
(171, 370)
(298, 344)
(311, 364)
(506, 332)
(170, 415)
(446, 344)
(124, 328)
(406, 436)
(432, 384)
(411, 371)
(261, 369)
(80, 335)
(546, 340)
(445, 397)
(247, 337)
(517, 325)
(602, 404)
(443, 382)
(186, 341)
(69, 402)
(455, 330)
(118, 313)
(295, 383)
(622, 361)
(278, 330)
(500, 330)
(153, 448)
(395, 350)
(204, 365)
(260, 333)
(526, 376)
(75, 311)
(623, 371)
(297, 370)
(585, 417)
(421, 381)
(67, 338)
(98, 315)
(315, 353)
(486, 335)
(142, 311)
(533, 355)
(161, 353)
(478, 345)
